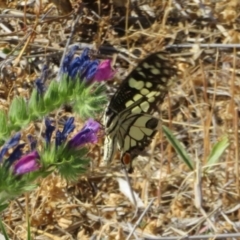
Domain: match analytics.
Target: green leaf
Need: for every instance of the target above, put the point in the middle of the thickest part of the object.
(65, 88)
(48, 156)
(35, 105)
(89, 100)
(29, 231)
(18, 114)
(71, 162)
(178, 148)
(3, 230)
(3, 207)
(52, 97)
(6, 50)
(4, 132)
(12, 186)
(217, 151)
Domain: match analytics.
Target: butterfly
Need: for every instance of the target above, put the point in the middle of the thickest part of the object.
(129, 121)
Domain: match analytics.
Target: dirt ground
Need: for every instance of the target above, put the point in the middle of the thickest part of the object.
(201, 109)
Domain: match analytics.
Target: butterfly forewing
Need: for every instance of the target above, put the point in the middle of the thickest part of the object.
(128, 119)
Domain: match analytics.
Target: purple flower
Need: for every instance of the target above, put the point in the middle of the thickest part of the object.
(68, 59)
(32, 142)
(40, 86)
(27, 163)
(67, 129)
(88, 134)
(10, 144)
(58, 140)
(15, 155)
(79, 64)
(39, 82)
(90, 70)
(45, 72)
(86, 69)
(49, 130)
(104, 71)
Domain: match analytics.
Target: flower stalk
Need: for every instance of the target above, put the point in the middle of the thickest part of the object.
(78, 87)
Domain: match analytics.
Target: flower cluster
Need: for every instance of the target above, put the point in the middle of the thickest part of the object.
(88, 134)
(86, 99)
(19, 164)
(85, 68)
(68, 158)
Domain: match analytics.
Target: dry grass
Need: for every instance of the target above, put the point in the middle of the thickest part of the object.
(202, 108)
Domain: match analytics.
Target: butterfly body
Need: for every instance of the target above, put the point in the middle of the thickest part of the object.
(129, 121)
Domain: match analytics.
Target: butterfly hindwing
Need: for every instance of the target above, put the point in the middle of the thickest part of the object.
(139, 133)
(137, 137)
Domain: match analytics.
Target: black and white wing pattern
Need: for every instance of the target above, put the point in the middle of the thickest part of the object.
(129, 122)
